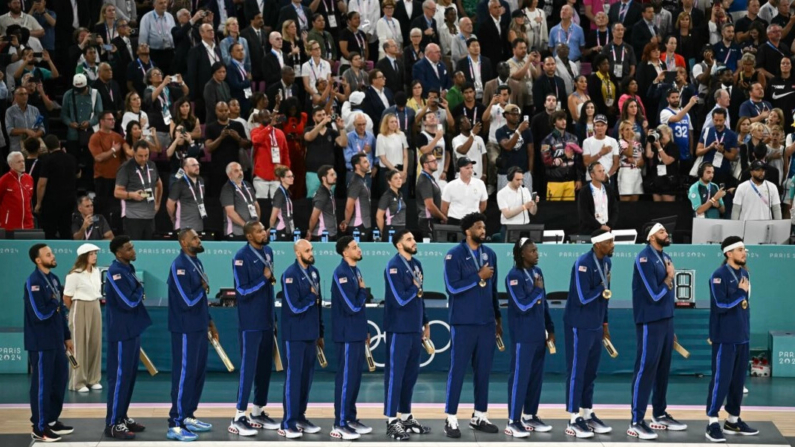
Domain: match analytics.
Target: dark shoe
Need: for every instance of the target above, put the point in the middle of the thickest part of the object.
(266, 421)
(482, 423)
(46, 435)
(579, 429)
(412, 425)
(60, 429)
(739, 428)
(119, 431)
(397, 431)
(452, 430)
(667, 422)
(641, 431)
(536, 424)
(597, 425)
(307, 427)
(714, 433)
(358, 427)
(133, 426)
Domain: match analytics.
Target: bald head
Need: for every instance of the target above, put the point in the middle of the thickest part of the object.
(465, 24)
(275, 39)
(301, 244)
(303, 253)
(433, 53)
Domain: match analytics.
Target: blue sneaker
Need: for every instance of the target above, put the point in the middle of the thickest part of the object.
(181, 434)
(739, 428)
(196, 425)
(714, 433)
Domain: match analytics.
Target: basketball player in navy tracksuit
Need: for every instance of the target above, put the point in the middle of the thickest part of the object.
(730, 332)
(653, 307)
(46, 338)
(470, 275)
(406, 325)
(349, 331)
(585, 325)
(531, 327)
(253, 273)
(302, 332)
(188, 321)
(127, 320)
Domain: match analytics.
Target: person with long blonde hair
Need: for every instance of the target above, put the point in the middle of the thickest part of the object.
(82, 291)
(231, 37)
(630, 183)
(392, 148)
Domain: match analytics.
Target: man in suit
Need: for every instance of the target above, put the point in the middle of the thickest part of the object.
(431, 72)
(286, 86)
(476, 68)
(406, 11)
(109, 90)
(627, 12)
(495, 37)
(392, 67)
(427, 24)
(298, 13)
(200, 61)
(238, 79)
(183, 38)
(220, 15)
(269, 9)
(124, 55)
(377, 98)
(644, 31)
(548, 83)
(255, 36)
(482, 14)
(274, 59)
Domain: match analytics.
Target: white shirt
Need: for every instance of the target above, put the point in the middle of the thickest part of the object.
(83, 286)
(592, 146)
(754, 206)
(438, 151)
(475, 152)
(75, 17)
(497, 121)
(382, 97)
(315, 71)
(600, 202)
(132, 116)
(211, 54)
(388, 29)
(511, 198)
(464, 198)
(279, 56)
(393, 147)
(497, 24)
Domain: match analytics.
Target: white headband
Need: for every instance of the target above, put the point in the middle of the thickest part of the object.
(522, 241)
(602, 237)
(733, 246)
(657, 227)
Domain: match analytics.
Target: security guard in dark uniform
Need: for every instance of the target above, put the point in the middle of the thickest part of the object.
(350, 334)
(470, 275)
(585, 326)
(531, 329)
(302, 333)
(653, 307)
(406, 326)
(730, 333)
(188, 321)
(254, 279)
(127, 319)
(47, 337)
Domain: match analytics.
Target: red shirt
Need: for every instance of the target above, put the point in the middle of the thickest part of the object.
(263, 139)
(16, 193)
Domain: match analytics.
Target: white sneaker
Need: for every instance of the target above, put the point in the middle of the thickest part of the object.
(96, 386)
(83, 390)
(745, 390)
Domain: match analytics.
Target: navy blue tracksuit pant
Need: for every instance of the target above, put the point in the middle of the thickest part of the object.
(401, 370)
(50, 373)
(300, 366)
(524, 380)
(583, 351)
(729, 366)
(475, 344)
(188, 371)
(256, 354)
(122, 370)
(655, 342)
(350, 357)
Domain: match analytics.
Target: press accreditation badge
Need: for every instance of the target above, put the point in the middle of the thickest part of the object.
(618, 70)
(662, 170)
(276, 155)
(150, 195)
(247, 92)
(252, 211)
(166, 116)
(202, 211)
(332, 21)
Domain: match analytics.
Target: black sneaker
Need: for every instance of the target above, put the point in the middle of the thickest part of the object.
(451, 430)
(739, 428)
(119, 431)
(412, 425)
(133, 426)
(60, 429)
(396, 431)
(482, 423)
(45, 435)
(714, 433)
(597, 426)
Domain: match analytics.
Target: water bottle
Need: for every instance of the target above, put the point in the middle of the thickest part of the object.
(391, 235)
(324, 236)
(273, 235)
(376, 235)
(356, 235)
(296, 234)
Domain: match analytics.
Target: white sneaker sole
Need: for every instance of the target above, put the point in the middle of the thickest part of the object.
(364, 431)
(544, 429)
(341, 435)
(516, 434)
(738, 433)
(715, 440)
(657, 426)
(246, 432)
(639, 435)
(579, 434)
(291, 435)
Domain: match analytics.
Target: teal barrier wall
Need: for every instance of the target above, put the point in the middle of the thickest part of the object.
(772, 300)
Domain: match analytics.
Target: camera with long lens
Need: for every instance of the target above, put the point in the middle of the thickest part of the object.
(653, 137)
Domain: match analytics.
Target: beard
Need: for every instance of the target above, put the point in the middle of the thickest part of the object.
(197, 250)
(411, 251)
(664, 242)
(739, 263)
(358, 259)
(308, 261)
(50, 265)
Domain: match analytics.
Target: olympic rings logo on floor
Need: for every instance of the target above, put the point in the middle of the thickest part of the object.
(376, 336)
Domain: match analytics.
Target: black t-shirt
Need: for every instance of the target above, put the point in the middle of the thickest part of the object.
(228, 150)
(742, 25)
(320, 151)
(475, 114)
(155, 108)
(354, 44)
(60, 170)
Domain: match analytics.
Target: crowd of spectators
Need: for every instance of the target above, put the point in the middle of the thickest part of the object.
(114, 108)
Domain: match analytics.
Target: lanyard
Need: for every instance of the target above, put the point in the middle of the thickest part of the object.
(55, 291)
(359, 42)
(391, 22)
(658, 257)
(607, 83)
(89, 231)
(261, 258)
(623, 51)
(250, 199)
(417, 276)
(201, 190)
(602, 195)
(776, 49)
(601, 272)
(731, 270)
(623, 10)
(333, 203)
(552, 81)
(240, 69)
(472, 68)
(758, 109)
(722, 137)
(400, 203)
(288, 202)
(728, 55)
(764, 200)
(430, 177)
(670, 62)
(567, 33)
(148, 176)
(274, 141)
(475, 259)
(319, 69)
(329, 9)
(405, 119)
(530, 278)
(314, 284)
(199, 269)
(474, 115)
(141, 66)
(211, 53)
(110, 31)
(301, 16)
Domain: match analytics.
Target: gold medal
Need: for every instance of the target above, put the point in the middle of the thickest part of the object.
(482, 283)
(419, 293)
(606, 294)
(744, 304)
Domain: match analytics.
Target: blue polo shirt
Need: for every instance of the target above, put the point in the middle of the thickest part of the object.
(574, 39)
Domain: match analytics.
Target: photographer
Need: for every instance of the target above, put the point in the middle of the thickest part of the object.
(322, 141)
(23, 121)
(46, 19)
(160, 94)
(662, 170)
(86, 226)
(28, 65)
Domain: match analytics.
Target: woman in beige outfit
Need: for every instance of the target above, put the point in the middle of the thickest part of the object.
(81, 296)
